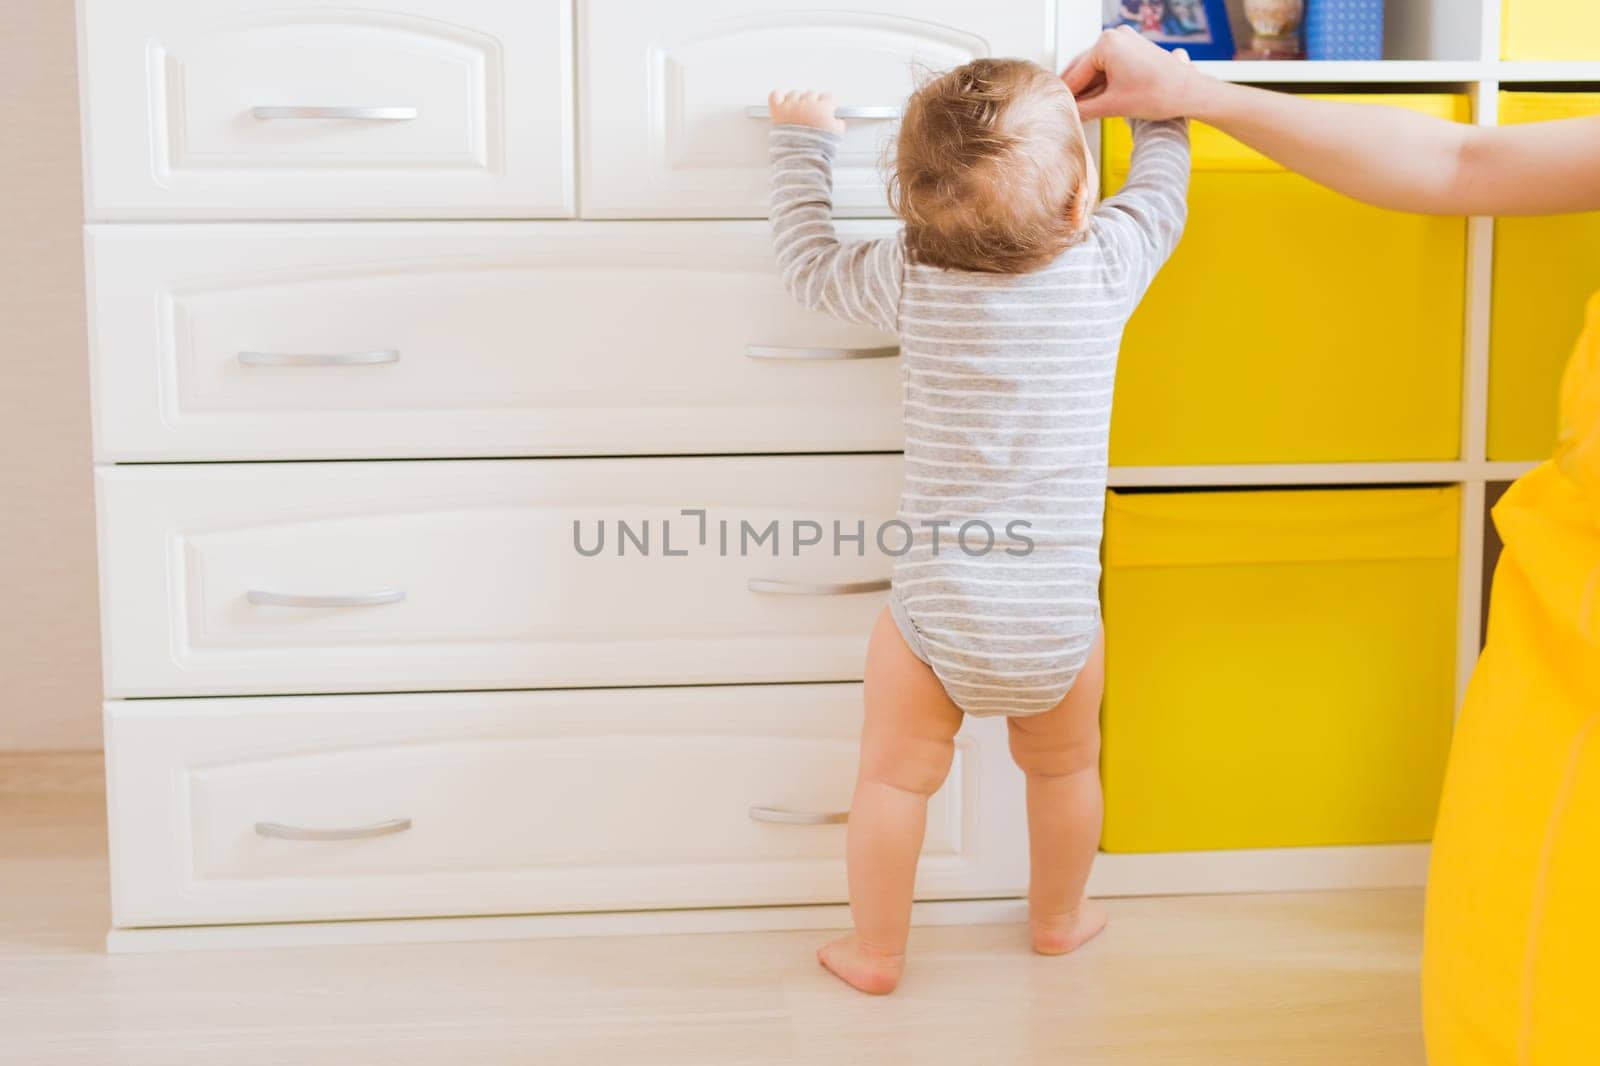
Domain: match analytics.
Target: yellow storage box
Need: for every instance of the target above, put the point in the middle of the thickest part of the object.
(1293, 324)
(1544, 271)
(1281, 666)
(1550, 29)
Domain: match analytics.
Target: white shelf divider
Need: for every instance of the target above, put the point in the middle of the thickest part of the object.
(1475, 394)
(1552, 73)
(1260, 870)
(1491, 18)
(1444, 472)
(1469, 588)
(1347, 73)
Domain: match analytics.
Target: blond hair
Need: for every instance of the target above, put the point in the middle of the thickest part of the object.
(988, 168)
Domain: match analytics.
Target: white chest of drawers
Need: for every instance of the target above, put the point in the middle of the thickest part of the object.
(453, 712)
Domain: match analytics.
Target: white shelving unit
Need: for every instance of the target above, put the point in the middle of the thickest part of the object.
(1383, 72)
(1437, 45)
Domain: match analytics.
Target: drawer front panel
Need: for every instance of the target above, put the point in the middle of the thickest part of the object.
(420, 108)
(496, 803)
(461, 339)
(666, 90)
(378, 577)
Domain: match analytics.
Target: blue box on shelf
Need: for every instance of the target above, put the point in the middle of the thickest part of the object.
(1344, 29)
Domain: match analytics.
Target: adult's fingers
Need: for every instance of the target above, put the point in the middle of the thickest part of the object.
(1107, 104)
(1084, 88)
(1073, 64)
(1084, 69)
(1095, 88)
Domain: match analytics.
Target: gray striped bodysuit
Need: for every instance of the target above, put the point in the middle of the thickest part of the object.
(1007, 389)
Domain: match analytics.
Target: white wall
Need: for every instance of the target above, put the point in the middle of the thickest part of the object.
(49, 640)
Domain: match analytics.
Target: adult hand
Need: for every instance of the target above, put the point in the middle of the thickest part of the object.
(1124, 74)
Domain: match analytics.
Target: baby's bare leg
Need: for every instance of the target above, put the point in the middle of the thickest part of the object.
(907, 744)
(1059, 752)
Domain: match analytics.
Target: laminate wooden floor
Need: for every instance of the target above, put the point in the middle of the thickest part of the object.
(1327, 979)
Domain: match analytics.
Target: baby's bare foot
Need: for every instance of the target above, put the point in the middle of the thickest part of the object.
(1062, 933)
(860, 967)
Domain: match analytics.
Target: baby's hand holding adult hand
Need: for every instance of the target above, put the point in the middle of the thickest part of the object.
(1124, 74)
(804, 109)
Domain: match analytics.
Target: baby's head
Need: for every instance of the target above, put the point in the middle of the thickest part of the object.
(992, 169)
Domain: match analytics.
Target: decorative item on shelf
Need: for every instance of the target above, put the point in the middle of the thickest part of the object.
(1344, 29)
(1276, 25)
(1199, 27)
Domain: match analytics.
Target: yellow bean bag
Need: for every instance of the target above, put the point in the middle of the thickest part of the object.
(1511, 966)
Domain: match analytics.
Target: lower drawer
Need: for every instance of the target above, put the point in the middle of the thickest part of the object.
(304, 808)
(231, 579)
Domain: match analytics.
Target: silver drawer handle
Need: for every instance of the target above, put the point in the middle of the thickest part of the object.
(816, 588)
(778, 814)
(761, 111)
(374, 358)
(380, 114)
(778, 351)
(375, 598)
(278, 831)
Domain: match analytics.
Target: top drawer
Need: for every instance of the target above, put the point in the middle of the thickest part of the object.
(673, 96)
(293, 109)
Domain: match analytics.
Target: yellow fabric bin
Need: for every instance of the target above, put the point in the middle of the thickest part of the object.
(1550, 29)
(1293, 324)
(1544, 271)
(1281, 666)
(1513, 923)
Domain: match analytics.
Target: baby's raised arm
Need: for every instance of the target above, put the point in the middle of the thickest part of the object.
(1148, 213)
(858, 281)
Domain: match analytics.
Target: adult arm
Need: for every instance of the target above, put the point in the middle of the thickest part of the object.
(1385, 156)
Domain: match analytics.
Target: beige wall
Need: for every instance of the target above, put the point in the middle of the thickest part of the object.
(49, 639)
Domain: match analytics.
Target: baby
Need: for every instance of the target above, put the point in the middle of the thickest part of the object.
(1009, 289)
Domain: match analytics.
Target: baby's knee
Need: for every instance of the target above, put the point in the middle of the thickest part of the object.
(1054, 759)
(911, 765)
